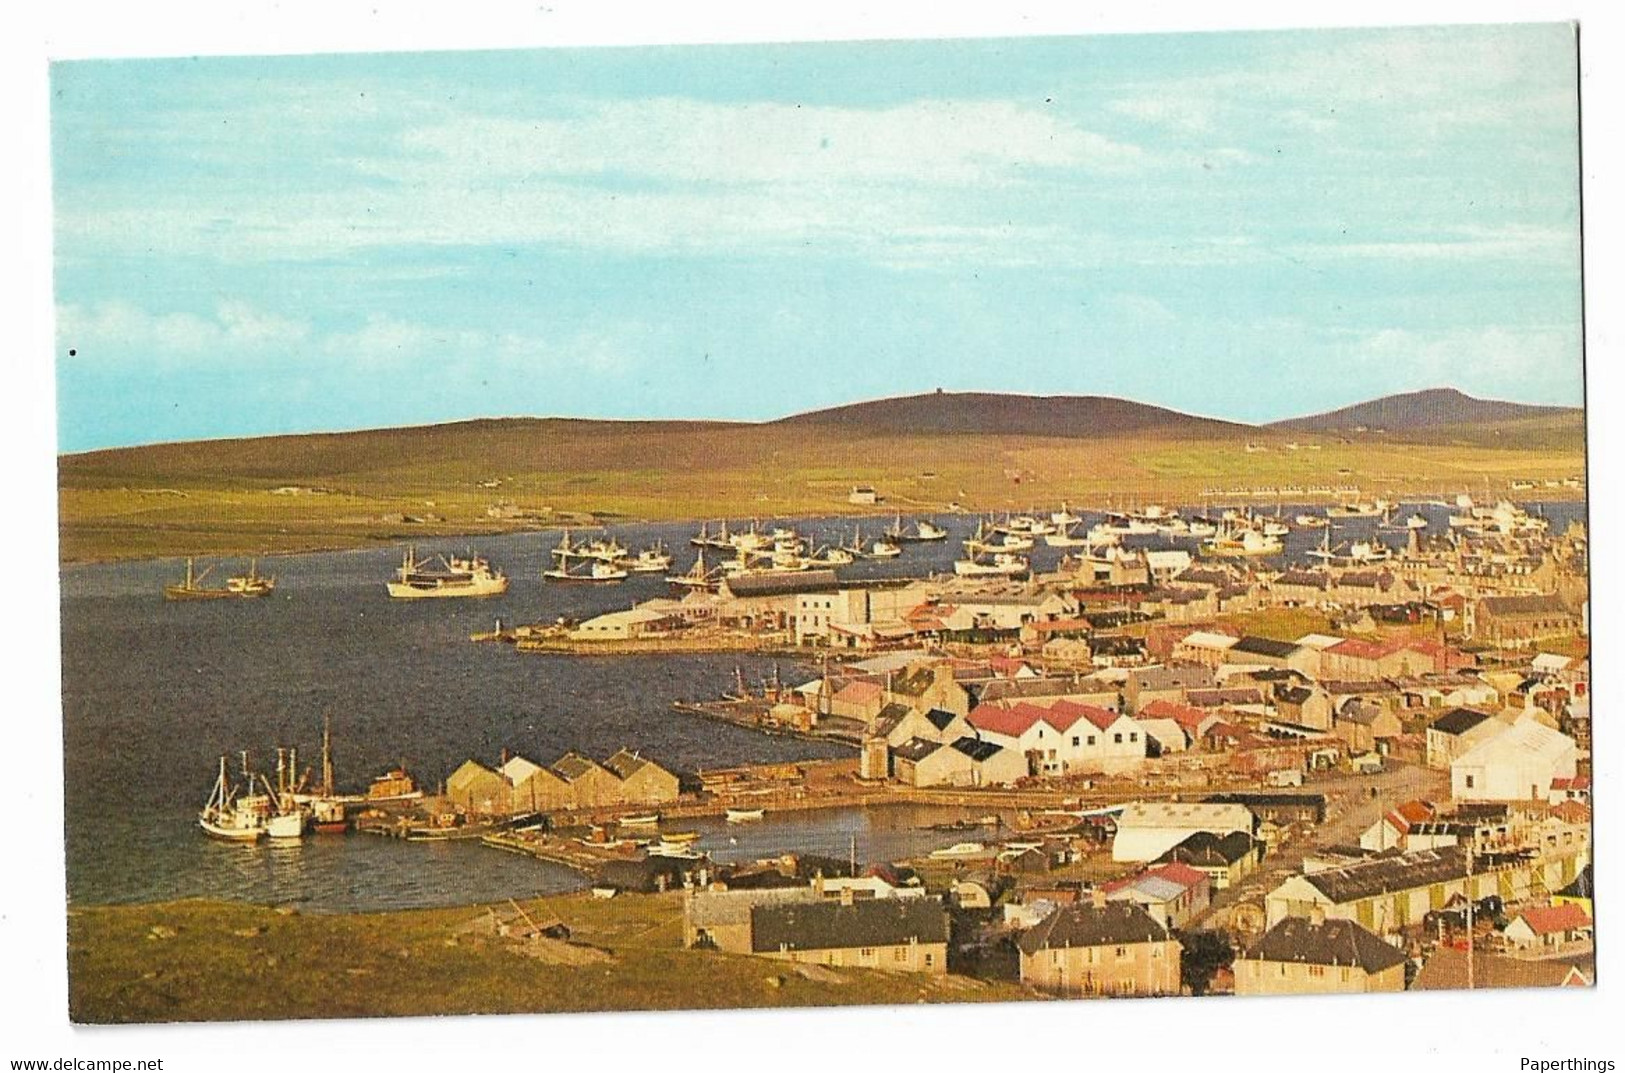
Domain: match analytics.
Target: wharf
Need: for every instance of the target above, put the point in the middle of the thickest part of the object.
(555, 640)
(757, 715)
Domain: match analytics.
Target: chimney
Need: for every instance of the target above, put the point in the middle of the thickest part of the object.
(1317, 915)
(1097, 897)
(846, 894)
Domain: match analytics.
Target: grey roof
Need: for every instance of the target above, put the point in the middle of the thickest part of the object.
(1156, 678)
(1331, 942)
(916, 749)
(830, 925)
(1204, 849)
(572, 766)
(977, 749)
(1522, 605)
(1457, 721)
(1011, 688)
(1381, 875)
(1264, 646)
(1114, 924)
(1292, 694)
(940, 719)
(627, 763)
(783, 583)
(715, 908)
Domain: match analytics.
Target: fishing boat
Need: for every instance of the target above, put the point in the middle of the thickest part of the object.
(233, 818)
(1236, 543)
(242, 586)
(921, 532)
(961, 849)
(1002, 564)
(1312, 521)
(596, 572)
(678, 850)
(648, 819)
(745, 815)
(1065, 538)
(1357, 509)
(884, 549)
(1064, 518)
(696, 579)
(468, 576)
(654, 559)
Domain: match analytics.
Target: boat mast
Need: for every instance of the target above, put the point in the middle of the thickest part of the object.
(327, 754)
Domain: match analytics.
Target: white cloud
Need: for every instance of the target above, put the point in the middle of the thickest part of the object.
(690, 141)
(1525, 363)
(122, 327)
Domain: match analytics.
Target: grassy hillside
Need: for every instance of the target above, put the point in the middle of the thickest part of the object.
(1431, 409)
(213, 961)
(392, 485)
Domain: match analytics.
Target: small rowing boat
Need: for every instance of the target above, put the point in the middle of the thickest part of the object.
(745, 815)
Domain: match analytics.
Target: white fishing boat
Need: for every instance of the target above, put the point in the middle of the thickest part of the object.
(470, 576)
(1101, 534)
(920, 532)
(654, 559)
(287, 826)
(1064, 518)
(648, 819)
(1274, 528)
(961, 849)
(1002, 564)
(1312, 521)
(884, 549)
(745, 815)
(595, 573)
(831, 557)
(233, 818)
(1357, 509)
(1065, 538)
(697, 578)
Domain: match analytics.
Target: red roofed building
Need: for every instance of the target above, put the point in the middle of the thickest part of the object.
(1172, 893)
(1193, 721)
(1549, 929)
(1357, 659)
(1064, 737)
(1572, 788)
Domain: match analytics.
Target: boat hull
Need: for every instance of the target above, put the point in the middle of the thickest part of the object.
(230, 834)
(402, 591)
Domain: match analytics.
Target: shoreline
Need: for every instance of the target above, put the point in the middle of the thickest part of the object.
(370, 542)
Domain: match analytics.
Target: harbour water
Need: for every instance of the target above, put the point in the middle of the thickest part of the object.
(154, 692)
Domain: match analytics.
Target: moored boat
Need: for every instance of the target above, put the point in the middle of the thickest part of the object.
(233, 818)
(242, 586)
(470, 576)
(744, 815)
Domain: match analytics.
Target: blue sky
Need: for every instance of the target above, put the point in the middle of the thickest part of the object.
(1250, 226)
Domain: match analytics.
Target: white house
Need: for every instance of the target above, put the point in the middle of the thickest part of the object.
(1148, 829)
(1518, 764)
(1063, 737)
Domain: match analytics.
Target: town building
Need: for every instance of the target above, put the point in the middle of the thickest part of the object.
(893, 934)
(1518, 764)
(1300, 956)
(1148, 829)
(1100, 948)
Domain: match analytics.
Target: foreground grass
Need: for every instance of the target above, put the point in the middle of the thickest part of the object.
(215, 961)
(217, 498)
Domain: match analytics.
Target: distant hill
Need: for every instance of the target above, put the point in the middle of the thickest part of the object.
(1436, 408)
(944, 413)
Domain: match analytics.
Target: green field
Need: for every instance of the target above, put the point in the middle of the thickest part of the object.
(390, 486)
(215, 961)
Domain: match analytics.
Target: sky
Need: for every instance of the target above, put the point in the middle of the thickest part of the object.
(1242, 225)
